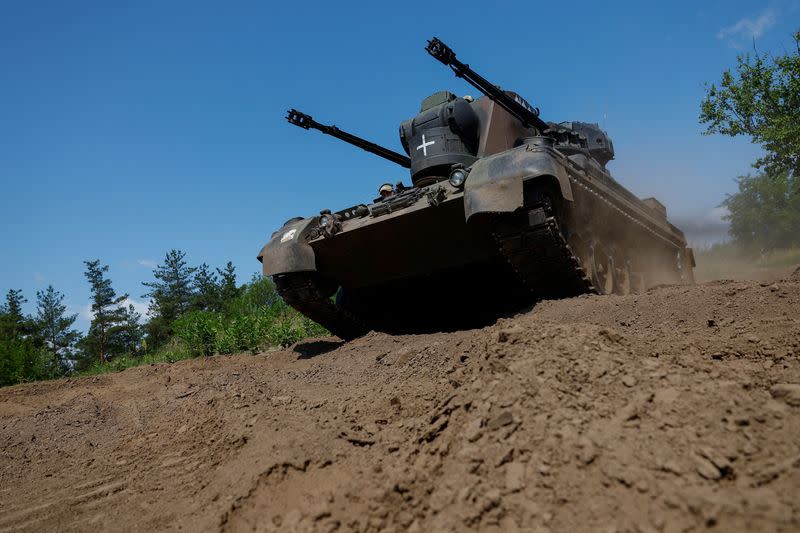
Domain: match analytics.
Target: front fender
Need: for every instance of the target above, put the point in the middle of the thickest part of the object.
(495, 183)
(288, 250)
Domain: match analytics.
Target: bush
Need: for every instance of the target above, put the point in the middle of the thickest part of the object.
(174, 350)
(255, 319)
(22, 361)
(312, 329)
(284, 333)
(207, 333)
(199, 330)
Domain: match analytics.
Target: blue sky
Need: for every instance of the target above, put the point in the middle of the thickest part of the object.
(130, 128)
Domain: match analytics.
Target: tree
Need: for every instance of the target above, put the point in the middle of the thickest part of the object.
(100, 341)
(206, 289)
(171, 296)
(760, 100)
(54, 326)
(13, 321)
(13, 305)
(131, 331)
(765, 212)
(227, 285)
(22, 357)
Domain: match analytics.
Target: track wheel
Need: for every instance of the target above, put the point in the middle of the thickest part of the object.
(603, 268)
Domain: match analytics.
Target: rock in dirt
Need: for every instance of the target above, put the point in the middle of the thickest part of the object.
(503, 419)
(706, 468)
(788, 392)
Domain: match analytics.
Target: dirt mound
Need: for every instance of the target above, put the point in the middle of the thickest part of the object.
(666, 411)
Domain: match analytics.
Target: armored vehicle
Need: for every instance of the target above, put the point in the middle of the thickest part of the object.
(503, 209)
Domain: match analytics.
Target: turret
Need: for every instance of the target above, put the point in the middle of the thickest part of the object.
(450, 131)
(570, 137)
(443, 134)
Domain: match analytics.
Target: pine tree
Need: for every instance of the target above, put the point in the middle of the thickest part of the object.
(206, 289)
(107, 310)
(14, 301)
(14, 323)
(227, 286)
(22, 356)
(131, 334)
(171, 296)
(54, 326)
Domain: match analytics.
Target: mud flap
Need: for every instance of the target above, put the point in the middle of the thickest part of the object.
(288, 250)
(495, 184)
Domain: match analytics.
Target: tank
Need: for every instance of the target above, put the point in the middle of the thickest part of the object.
(503, 210)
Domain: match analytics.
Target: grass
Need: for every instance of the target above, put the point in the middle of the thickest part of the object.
(175, 350)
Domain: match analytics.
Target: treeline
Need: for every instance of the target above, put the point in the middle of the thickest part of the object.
(39, 346)
(760, 99)
(194, 310)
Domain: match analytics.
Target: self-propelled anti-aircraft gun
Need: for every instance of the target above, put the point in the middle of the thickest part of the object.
(504, 209)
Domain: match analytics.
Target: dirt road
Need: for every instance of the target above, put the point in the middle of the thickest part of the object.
(674, 410)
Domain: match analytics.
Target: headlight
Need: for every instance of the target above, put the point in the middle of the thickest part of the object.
(458, 177)
(328, 224)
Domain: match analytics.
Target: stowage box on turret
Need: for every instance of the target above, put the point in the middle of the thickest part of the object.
(504, 209)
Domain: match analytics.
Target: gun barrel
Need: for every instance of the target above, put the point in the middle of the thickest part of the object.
(307, 122)
(528, 116)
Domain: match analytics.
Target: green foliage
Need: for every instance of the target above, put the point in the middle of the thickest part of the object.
(207, 294)
(12, 321)
(311, 328)
(285, 332)
(174, 350)
(12, 308)
(54, 326)
(103, 339)
(760, 100)
(131, 333)
(765, 212)
(21, 360)
(198, 329)
(227, 285)
(255, 319)
(255, 297)
(23, 356)
(212, 316)
(171, 296)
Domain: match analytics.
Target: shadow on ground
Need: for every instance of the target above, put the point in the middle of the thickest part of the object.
(307, 350)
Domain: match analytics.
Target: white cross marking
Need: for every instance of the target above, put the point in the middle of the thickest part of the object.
(425, 145)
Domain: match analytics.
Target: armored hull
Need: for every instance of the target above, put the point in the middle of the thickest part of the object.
(529, 223)
(504, 210)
